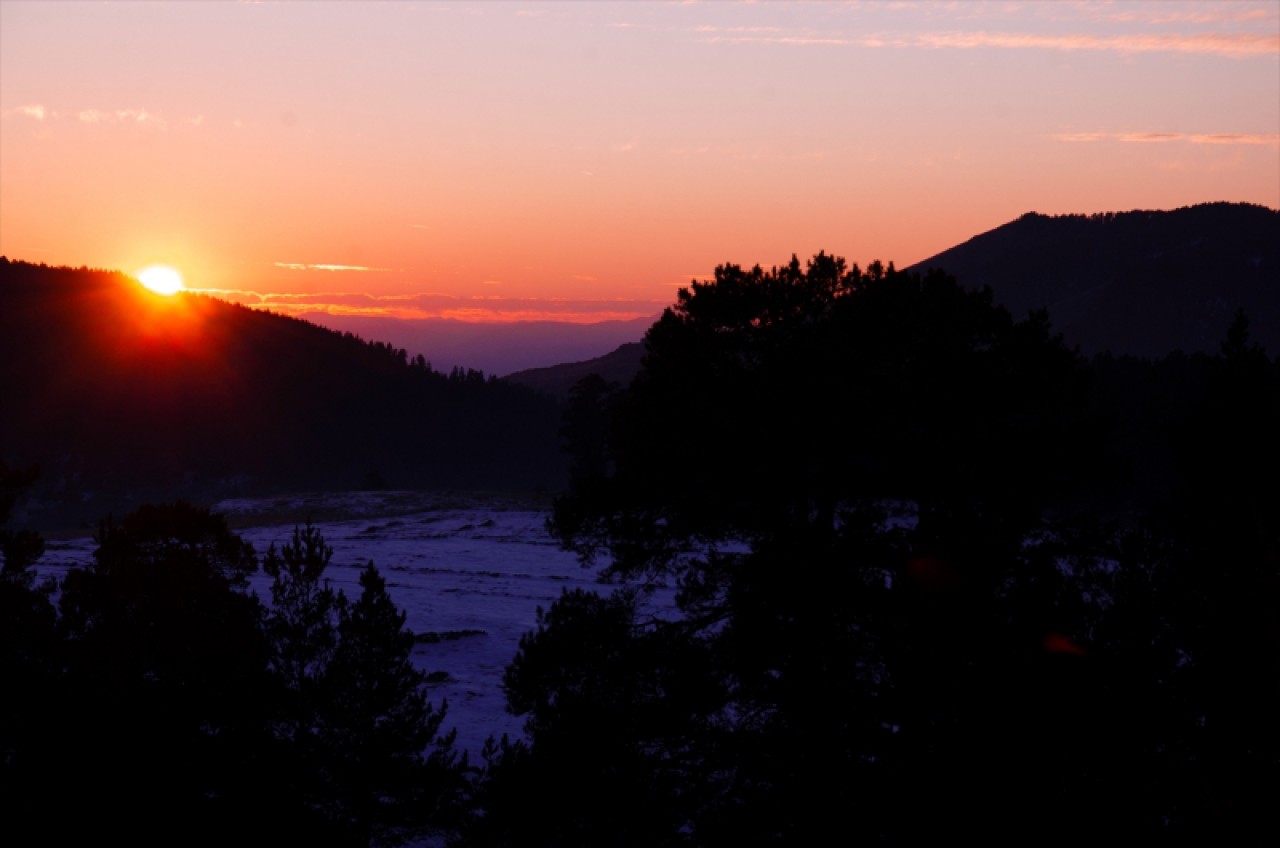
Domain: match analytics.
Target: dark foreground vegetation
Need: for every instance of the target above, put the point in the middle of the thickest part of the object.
(940, 578)
(160, 702)
(1073, 632)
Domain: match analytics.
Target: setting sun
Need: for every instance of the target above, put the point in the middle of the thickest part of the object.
(161, 279)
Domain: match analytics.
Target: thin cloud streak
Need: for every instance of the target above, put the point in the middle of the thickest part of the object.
(136, 116)
(1234, 45)
(434, 305)
(1220, 44)
(301, 266)
(1166, 13)
(1166, 137)
(142, 117)
(1228, 138)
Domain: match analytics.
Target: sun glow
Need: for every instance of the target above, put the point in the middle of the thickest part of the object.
(161, 279)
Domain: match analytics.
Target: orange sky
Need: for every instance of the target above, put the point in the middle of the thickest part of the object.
(582, 161)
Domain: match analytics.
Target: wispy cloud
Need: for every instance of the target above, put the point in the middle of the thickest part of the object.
(1169, 13)
(1166, 137)
(423, 305)
(1150, 137)
(1235, 45)
(1236, 138)
(737, 29)
(123, 116)
(34, 111)
(126, 117)
(302, 266)
(1220, 44)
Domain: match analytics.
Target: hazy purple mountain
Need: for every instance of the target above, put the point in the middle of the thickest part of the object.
(494, 348)
(616, 367)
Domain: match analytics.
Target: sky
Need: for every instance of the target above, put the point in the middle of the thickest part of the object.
(578, 161)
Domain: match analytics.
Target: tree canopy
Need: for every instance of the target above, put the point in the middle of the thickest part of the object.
(900, 613)
(768, 398)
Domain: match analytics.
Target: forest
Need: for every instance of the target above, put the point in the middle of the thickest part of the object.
(939, 576)
(122, 397)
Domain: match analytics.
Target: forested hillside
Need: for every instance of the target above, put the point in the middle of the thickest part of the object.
(117, 393)
(1143, 283)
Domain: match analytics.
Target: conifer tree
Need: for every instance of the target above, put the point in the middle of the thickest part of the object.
(303, 618)
(389, 776)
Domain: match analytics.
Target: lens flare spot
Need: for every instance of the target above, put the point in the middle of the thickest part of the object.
(161, 279)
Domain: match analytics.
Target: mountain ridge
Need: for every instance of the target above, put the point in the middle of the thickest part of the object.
(1142, 283)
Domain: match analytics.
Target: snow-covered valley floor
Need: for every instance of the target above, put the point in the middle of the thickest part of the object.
(471, 569)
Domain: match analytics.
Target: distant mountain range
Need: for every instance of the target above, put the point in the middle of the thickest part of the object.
(618, 366)
(494, 348)
(1141, 283)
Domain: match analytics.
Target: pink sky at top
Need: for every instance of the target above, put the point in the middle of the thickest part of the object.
(582, 161)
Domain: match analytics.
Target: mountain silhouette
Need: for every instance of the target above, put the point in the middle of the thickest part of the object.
(499, 348)
(121, 396)
(619, 366)
(1142, 283)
